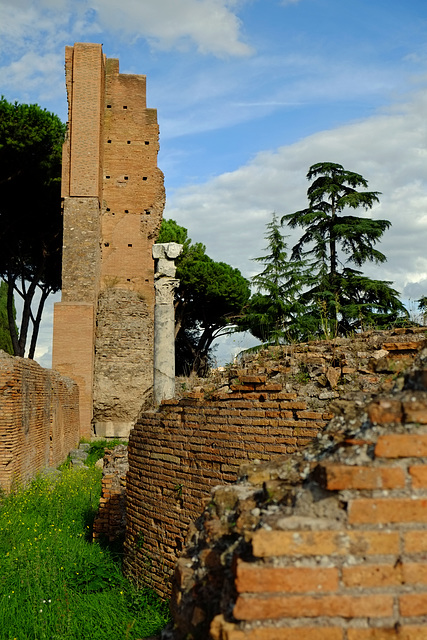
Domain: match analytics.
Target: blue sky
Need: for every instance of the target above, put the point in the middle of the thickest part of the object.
(249, 94)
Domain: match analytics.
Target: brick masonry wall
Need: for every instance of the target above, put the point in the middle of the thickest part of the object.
(328, 544)
(110, 521)
(39, 419)
(113, 205)
(176, 455)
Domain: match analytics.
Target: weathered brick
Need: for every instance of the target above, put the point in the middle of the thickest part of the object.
(413, 604)
(352, 477)
(375, 575)
(415, 411)
(418, 474)
(258, 579)
(401, 632)
(402, 446)
(294, 633)
(278, 543)
(387, 510)
(343, 606)
(415, 541)
(385, 410)
(310, 415)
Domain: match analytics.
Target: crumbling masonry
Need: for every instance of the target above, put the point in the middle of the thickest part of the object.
(113, 199)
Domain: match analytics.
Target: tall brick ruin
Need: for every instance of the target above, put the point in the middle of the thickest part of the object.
(113, 199)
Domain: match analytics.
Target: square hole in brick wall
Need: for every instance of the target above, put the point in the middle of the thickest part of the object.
(124, 106)
(126, 210)
(106, 244)
(126, 177)
(107, 209)
(107, 177)
(144, 178)
(129, 245)
(128, 141)
(147, 142)
(108, 106)
(109, 141)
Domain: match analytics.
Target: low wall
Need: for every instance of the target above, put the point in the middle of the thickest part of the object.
(39, 419)
(179, 453)
(110, 521)
(327, 544)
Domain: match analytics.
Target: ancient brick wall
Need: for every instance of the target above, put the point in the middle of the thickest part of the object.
(177, 454)
(328, 544)
(113, 203)
(39, 419)
(110, 521)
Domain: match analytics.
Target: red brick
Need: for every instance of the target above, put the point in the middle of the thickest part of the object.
(414, 573)
(293, 633)
(293, 405)
(413, 604)
(415, 411)
(351, 477)
(277, 543)
(310, 415)
(273, 607)
(409, 632)
(365, 510)
(401, 446)
(247, 379)
(252, 578)
(418, 474)
(384, 411)
(415, 541)
(372, 575)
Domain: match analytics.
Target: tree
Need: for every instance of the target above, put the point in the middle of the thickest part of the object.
(273, 313)
(5, 339)
(208, 300)
(30, 213)
(342, 296)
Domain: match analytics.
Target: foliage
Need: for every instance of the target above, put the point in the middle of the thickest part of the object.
(339, 296)
(273, 313)
(5, 339)
(208, 300)
(98, 447)
(54, 582)
(30, 212)
(422, 306)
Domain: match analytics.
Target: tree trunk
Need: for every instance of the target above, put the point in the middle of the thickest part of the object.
(10, 315)
(36, 321)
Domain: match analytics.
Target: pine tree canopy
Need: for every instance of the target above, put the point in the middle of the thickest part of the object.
(332, 239)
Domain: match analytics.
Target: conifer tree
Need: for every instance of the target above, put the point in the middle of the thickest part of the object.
(273, 314)
(341, 295)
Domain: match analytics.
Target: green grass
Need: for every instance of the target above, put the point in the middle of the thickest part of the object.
(55, 584)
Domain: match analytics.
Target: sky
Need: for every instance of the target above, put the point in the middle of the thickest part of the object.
(250, 94)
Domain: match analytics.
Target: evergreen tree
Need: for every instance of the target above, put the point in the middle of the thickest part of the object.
(30, 213)
(273, 313)
(341, 296)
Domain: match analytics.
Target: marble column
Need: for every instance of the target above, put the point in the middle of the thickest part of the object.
(165, 284)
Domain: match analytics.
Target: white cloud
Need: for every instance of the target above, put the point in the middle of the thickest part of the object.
(173, 23)
(211, 25)
(229, 212)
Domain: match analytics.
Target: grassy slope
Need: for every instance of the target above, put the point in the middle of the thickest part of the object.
(54, 582)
